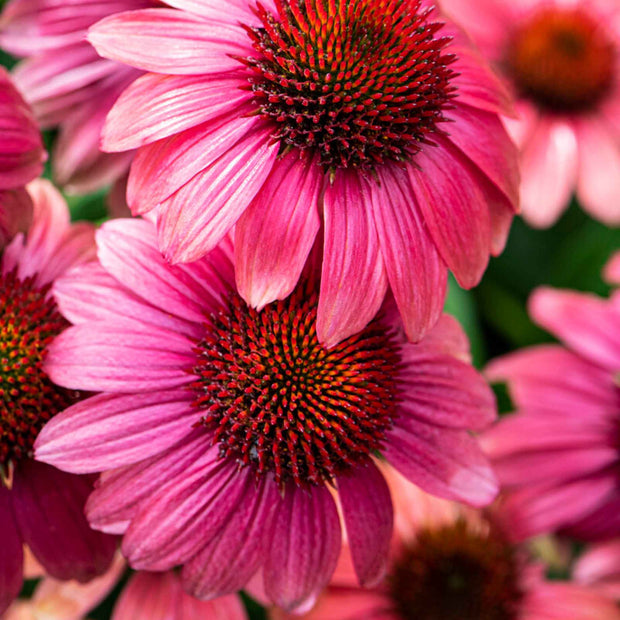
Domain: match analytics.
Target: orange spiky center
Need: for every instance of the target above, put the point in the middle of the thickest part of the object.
(358, 82)
(454, 572)
(562, 59)
(278, 401)
(29, 322)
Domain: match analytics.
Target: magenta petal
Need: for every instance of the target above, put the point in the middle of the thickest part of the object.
(156, 106)
(168, 41)
(353, 279)
(109, 430)
(369, 518)
(49, 508)
(126, 357)
(196, 217)
(454, 209)
(442, 461)
(304, 549)
(185, 514)
(119, 493)
(11, 555)
(416, 273)
(232, 557)
(275, 234)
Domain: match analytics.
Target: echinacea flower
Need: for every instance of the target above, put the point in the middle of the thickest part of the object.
(68, 85)
(21, 158)
(558, 456)
(40, 506)
(453, 563)
(375, 118)
(146, 596)
(562, 61)
(223, 433)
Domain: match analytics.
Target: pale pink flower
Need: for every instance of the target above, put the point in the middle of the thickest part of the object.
(225, 434)
(559, 455)
(599, 568)
(611, 272)
(39, 505)
(452, 563)
(375, 118)
(67, 83)
(562, 61)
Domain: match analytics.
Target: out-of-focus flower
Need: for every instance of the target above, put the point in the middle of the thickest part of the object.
(599, 568)
(68, 85)
(21, 159)
(559, 455)
(224, 432)
(453, 563)
(562, 61)
(374, 117)
(39, 505)
(611, 273)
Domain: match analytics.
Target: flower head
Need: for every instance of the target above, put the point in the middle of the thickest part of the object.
(568, 405)
(372, 116)
(451, 562)
(562, 62)
(40, 506)
(219, 425)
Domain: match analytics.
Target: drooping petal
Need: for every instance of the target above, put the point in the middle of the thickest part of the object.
(49, 507)
(168, 41)
(417, 275)
(454, 209)
(231, 558)
(274, 235)
(304, 550)
(368, 516)
(109, 430)
(11, 554)
(353, 279)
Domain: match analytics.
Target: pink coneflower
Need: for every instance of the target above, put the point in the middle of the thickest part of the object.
(559, 455)
(225, 433)
(67, 83)
(40, 506)
(373, 117)
(562, 61)
(451, 563)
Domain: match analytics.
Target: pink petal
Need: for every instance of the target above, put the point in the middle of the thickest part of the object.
(611, 272)
(353, 279)
(446, 337)
(88, 293)
(587, 324)
(548, 172)
(159, 596)
(275, 234)
(15, 214)
(416, 273)
(598, 185)
(11, 554)
(599, 567)
(223, 10)
(442, 461)
(454, 209)
(107, 431)
(195, 218)
(119, 493)
(125, 357)
(49, 507)
(168, 41)
(157, 106)
(368, 516)
(230, 559)
(304, 549)
(185, 514)
(444, 391)
(161, 168)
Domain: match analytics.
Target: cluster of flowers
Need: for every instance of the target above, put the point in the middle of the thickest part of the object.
(245, 381)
